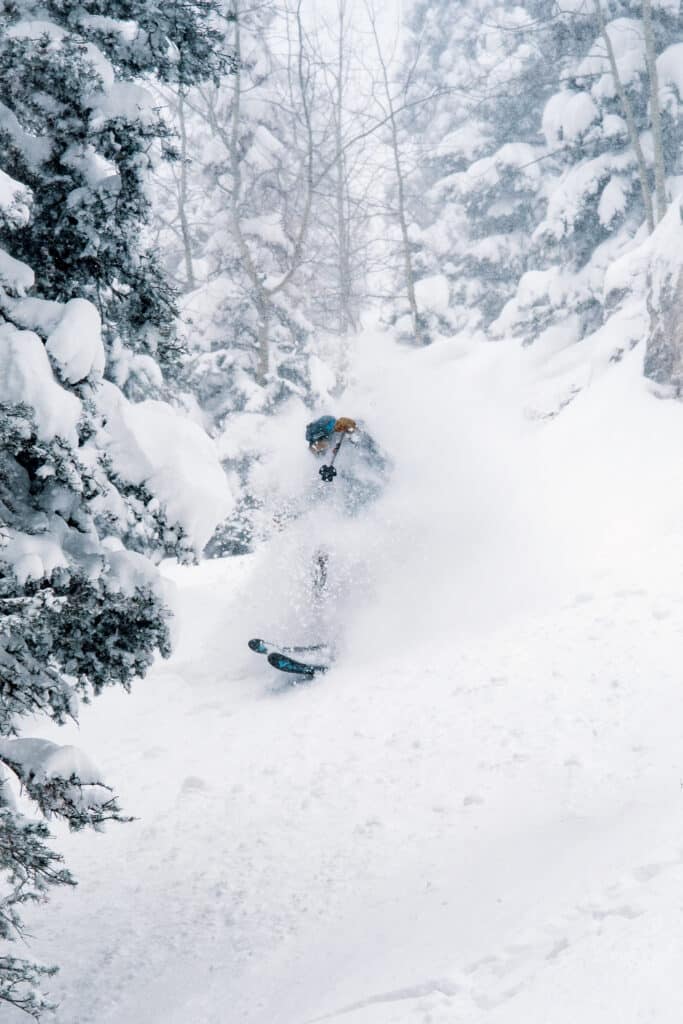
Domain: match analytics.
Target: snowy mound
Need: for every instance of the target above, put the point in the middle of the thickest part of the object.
(151, 443)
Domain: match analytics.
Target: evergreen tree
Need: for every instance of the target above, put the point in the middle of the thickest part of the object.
(600, 179)
(78, 129)
(531, 183)
(89, 491)
(476, 195)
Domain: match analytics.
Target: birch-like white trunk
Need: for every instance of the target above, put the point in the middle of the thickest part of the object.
(655, 113)
(629, 116)
(401, 214)
(183, 195)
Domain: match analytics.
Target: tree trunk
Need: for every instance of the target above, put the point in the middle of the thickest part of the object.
(261, 300)
(655, 114)
(263, 365)
(182, 197)
(664, 354)
(344, 268)
(400, 191)
(630, 120)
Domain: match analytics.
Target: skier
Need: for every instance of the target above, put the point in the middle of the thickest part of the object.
(345, 487)
(362, 469)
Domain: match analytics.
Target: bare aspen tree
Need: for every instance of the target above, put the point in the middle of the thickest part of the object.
(178, 215)
(401, 210)
(630, 119)
(183, 193)
(344, 179)
(345, 315)
(655, 114)
(302, 91)
(263, 292)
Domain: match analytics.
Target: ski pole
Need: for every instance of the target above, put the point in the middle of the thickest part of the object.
(328, 473)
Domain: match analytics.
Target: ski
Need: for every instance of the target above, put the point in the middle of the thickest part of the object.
(300, 668)
(267, 647)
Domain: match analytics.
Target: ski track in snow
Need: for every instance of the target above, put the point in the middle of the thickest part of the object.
(480, 826)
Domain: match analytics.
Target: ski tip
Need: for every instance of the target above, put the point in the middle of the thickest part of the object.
(257, 645)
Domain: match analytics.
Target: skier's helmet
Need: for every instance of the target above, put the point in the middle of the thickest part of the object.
(319, 433)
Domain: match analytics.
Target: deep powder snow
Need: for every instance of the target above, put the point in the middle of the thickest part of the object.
(476, 816)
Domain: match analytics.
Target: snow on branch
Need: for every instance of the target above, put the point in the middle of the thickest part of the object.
(62, 780)
(19, 981)
(15, 276)
(15, 201)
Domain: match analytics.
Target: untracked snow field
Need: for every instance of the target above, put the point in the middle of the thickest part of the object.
(477, 815)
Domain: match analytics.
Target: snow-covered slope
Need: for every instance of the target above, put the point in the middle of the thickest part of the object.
(476, 815)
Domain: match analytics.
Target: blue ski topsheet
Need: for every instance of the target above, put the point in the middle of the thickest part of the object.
(287, 664)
